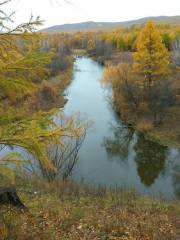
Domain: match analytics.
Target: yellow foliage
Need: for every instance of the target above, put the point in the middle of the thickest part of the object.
(36, 133)
(151, 59)
(116, 75)
(91, 44)
(22, 66)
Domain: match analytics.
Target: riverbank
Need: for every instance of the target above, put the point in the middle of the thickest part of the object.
(163, 133)
(67, 210)
(113, 150)
(166, 134)
(50, 93)
(60, 83)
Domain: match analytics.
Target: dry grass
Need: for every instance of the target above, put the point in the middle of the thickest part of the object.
(65, 211)
(168, 133)
(144, 125)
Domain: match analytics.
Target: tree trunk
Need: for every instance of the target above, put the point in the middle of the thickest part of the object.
(8, 195)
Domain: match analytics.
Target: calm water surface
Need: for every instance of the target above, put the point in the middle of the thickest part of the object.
(113, 154)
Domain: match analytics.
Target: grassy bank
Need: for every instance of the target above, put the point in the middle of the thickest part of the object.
(79, 52)
(168, 133)
(51, 91)
(71, 211)
(61, 82)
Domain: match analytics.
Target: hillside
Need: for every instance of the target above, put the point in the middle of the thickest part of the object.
(87, 26)
(71, 212)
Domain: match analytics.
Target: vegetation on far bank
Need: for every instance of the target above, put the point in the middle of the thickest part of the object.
(146, 89)
(117, 48)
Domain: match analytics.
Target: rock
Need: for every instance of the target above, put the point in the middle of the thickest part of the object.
(8, 195)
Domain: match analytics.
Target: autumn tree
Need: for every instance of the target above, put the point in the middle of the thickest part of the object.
(22, 63)
(125, 93)
(143, 89)
(151, 60)
(176, 50)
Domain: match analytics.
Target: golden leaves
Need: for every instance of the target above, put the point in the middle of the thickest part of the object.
(36, 133)
(151, 59)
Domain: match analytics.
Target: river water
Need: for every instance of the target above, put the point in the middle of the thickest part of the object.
(113, 154)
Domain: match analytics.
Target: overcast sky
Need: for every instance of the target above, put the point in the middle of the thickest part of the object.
(56, 12)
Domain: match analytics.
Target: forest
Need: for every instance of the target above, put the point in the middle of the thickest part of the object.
(139, 67)
(144, 78)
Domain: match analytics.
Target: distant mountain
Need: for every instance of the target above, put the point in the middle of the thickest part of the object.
(88, 26)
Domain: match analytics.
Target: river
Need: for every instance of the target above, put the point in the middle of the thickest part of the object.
(113, 154)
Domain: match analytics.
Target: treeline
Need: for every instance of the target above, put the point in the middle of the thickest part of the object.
(146, 91)
(143, 66)
(60, 45)
(102, 45)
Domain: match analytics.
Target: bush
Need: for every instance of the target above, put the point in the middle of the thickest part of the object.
(47, 92)
(144, 125)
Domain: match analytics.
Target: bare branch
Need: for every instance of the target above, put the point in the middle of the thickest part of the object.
(4, 2)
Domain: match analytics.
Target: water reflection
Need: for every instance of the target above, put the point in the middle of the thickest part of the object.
(113, 154)
(174, 161)
(176, 179)
(150, 159)
(118, 145)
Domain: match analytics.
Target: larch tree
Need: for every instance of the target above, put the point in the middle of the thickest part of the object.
(151, 60)
(21, 64)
